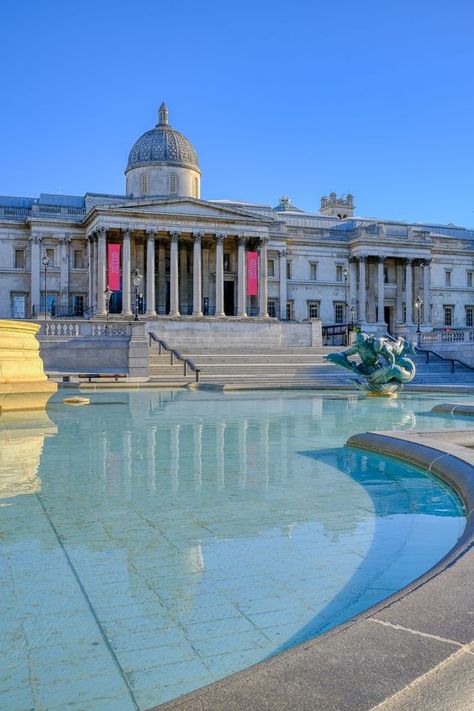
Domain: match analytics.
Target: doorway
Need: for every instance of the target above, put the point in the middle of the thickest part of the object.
(229, 301)
(387, 317)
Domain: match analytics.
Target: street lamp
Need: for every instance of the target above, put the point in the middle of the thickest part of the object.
(108, 295)
(352, 315)
(418, 305)
(45, 261)
(137, 280)
(345, 274)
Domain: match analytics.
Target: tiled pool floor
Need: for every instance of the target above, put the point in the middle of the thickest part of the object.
(151, 543)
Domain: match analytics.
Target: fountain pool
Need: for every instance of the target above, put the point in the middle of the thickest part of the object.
(153, 542)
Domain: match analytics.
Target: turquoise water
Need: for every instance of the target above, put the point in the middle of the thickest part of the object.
(151, 543)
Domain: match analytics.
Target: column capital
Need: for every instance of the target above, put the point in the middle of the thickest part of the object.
(126, 232)
(242, 239)
(425, 262)
(220, 237)
(151, 235)
(380, 259)
(198, 236)
(361, 257)
(352, 260)
(35, 238)
(282, 253)
(174, 236)
(264, 240)
(102, 232)
(64, 239)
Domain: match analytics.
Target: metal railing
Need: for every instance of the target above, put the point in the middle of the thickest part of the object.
(452, 361)
(175, 355)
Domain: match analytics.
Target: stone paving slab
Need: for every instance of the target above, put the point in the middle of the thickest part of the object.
(398, 654)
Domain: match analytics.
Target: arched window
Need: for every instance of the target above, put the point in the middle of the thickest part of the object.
(195, 188)
(173, 182)
(144, 184)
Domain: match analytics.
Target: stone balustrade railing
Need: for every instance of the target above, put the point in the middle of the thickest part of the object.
(88, 329)
(446, 336)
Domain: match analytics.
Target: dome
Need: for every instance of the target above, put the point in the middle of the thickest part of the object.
(164, 146)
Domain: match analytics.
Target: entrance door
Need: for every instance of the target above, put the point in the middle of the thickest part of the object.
(387, 317)
(229, 305)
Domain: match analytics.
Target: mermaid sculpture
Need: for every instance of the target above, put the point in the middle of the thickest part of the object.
(384, 363)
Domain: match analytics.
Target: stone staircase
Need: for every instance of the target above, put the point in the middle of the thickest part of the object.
(285, 366)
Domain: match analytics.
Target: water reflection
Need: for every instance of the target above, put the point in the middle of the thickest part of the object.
(200, 525)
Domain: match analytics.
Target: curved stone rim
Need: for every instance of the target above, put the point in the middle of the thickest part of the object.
(388, 653)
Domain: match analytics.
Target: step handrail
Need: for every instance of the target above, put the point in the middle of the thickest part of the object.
(187, 362)
(451, 361)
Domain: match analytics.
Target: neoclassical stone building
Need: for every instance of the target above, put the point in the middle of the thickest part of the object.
(180, 257)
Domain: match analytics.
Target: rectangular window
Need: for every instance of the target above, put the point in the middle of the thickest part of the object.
(52, 300)
(448, 315)
(313, 309)
(469, 316)
(313, 272)
(339, 312)
(288, 270)
(469, 279)
(404, 313)
(270, 267)
(78, 259)
(77, 303)
(19, 258)
(18, 305)
(447, 278)
(271, 308)
(339, 272)
(289, 310)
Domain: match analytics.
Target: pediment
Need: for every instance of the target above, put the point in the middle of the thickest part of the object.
(185, 207)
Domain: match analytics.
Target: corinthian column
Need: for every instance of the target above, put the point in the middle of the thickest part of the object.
(283, 289)
(241, 278)
(380, 291)
(426, 293)
(409, 292)
(150, 274)
(102, 270)
(64, 274)
(197, 292)
(361, 309)
(35, 242)
(174, 278)
(220, 275)
(262, 279)
(126, 271)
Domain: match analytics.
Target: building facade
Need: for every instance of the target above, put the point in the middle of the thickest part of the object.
(182, 257)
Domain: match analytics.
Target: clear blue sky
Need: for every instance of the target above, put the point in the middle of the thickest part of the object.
(279, 98)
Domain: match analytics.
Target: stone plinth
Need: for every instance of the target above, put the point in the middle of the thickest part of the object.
(23, 382)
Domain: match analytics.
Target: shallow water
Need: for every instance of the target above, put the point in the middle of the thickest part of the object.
(151, 542)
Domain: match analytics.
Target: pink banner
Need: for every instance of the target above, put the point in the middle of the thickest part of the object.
(113, 261)
(252, 273)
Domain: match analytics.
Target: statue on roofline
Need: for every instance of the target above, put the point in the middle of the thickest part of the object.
(384, 363)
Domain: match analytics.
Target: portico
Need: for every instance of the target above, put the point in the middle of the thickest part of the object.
(184, 272)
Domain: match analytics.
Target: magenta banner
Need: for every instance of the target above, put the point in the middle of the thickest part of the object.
(113, 282)
(252, 273)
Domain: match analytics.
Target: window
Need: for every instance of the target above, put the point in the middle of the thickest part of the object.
(52, 301)
(144, 184)
(78, 259)
(469, 279)
(339, 312)
(18, 305)
(469, 316)
(19, 259)
(50, 254)
(385, 275)
(289, 310)
(270, 267)
(448, 315)
(313, 271)
(338, 272)
(404, 313)
(271, 305)
(195, 188)
(288, 270)
(447, 278)
(77, 303)
(313, 309)
(173, 184)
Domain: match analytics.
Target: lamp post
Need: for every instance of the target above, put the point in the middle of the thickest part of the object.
(45, 261)
(108, 295)
(352, 316)
(418, 305)
(137, 280)
(345, 274)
